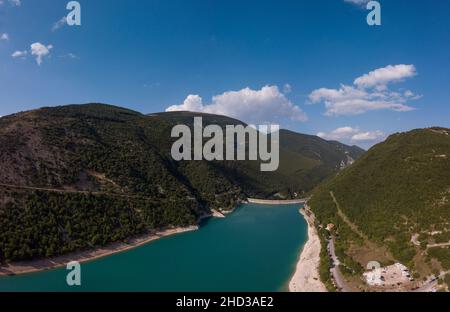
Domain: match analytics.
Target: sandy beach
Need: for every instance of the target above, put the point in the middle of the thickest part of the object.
(306, 277)
(89, 255)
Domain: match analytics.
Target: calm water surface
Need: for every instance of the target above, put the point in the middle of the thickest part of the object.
(254, 249)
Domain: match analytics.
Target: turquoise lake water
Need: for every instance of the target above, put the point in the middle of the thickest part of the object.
(254, 249)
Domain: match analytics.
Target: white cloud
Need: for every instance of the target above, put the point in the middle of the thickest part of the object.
(338, 134)
(19, 54)
(69, 56)
(12, 2)
(287, 88)
(369, 92)
(4, 36)
(193, 103)
(379, 78)
(60, 23)
(368, 136)
(40, 51)
(253, 106)
(353, 135)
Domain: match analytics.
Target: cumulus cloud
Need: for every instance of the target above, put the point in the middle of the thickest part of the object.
(253, 106)
(368, 136)
(60, 23)
(338, 134)
(37, 49)
(40, 51)
(381, 77)
(19, 54)
(4, 36)
(368, 92)
(353, 135)
(192, 103)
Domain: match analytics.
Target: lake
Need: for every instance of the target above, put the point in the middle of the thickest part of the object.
(255, 248)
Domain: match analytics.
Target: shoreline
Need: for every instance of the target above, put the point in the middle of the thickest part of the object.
(306, 277)
(39, 265)
(34, 266)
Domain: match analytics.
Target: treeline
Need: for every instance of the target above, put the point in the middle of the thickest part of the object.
(442, 255)
(325, 264)
(51, 224)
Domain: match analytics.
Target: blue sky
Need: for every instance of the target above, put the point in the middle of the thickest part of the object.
(296, 63)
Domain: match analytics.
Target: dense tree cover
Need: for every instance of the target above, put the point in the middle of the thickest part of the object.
(398, 188)
(325, 262)
(440, 237)
(442, 255)
(447, 280)
(134, 151)
(54, 223)
(121, 180)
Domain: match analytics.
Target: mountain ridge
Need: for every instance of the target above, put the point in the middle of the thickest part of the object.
(397, 195)
(113, 177)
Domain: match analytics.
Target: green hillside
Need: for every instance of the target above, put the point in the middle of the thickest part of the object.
(398, 190)
(80, 176)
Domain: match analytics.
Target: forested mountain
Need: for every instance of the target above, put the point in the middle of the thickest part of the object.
(395, 197)
(80, 176)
